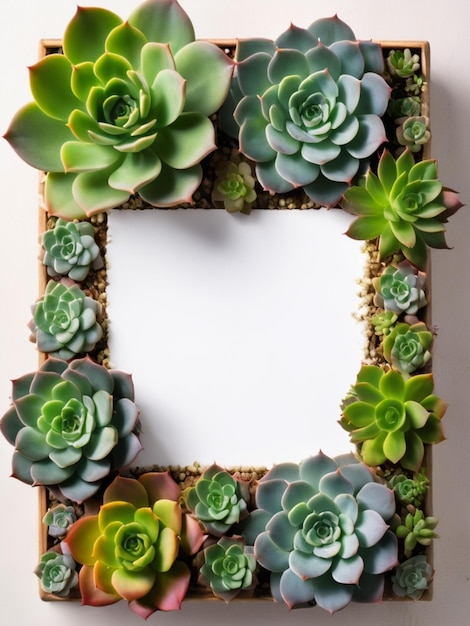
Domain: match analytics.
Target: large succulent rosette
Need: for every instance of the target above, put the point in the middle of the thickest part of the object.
(130, 550)
(124, 109)
(308, 106)
(72, 425)
(322, 529)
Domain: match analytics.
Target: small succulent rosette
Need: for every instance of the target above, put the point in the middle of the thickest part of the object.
(321, 528)
(228, 568)
(407, 348)
(59, 519)
(416, 530)
(218, 500)
(401, 290)
(131, 549)
(72, 426)
(412, 577)
(307, 107)
(66, 321)
(69, 249)
(57, 573)
(125, 110)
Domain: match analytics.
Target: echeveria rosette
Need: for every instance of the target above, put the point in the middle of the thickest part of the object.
(404, 205)
(130, 550)
(407, 348)
(72, 425)
(412, 577)
(308, 106)
(393, 417)
(402, 63)
(228, 568)
(413, 132)
(124, 109)
(321, 528)
(65, 321)
(410, 490)
(57, 573)
(234, 186)
(401, 289)
(69, 249)
(218, 501)
(59, 519)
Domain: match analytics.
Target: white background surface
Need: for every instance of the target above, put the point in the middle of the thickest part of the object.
(445, 25)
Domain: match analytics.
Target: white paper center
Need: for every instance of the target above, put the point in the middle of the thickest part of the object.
(238, 331)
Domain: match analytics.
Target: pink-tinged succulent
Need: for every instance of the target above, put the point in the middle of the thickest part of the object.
(131, 549)
(392, 417)
(72, 426)
(124, 109)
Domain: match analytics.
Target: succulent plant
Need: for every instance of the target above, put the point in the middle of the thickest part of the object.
(404, 204)
(57, 573)
(229, 568)
(413, 132)
(217, 500)
(404, 107)
(417, 529)
(130, 549)
(409, 490)
(69, 249)
(406, 347)
(393, 417)
(65, 321)
(72, 425)
(402, 63)
(321, 529)
(59, 519)
(414, 85)
(123, 111)
(400, 289)
(412, 577)
(383, 322)
(308, 106)
(234, 187)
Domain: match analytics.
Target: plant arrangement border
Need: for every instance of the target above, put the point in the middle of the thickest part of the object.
(187, 476)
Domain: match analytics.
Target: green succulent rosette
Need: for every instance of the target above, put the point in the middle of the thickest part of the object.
(65, 321)
(229, 568)
(407, 348)
(321, 528)
(218, 501)
(417, 529)
(130, 550)
(404, 205)
(69, 249)
(72, 426)
(124, 109)
(59, 519)
(308, 108)
(57, 573)
(393, 417)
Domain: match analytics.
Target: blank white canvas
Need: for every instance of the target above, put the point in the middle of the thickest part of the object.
(238, 331)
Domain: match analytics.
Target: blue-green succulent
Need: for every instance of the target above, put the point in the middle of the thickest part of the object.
(57, 573)
(321, 528)
(229, 568)
(69, 249)
(308, 108)
(413, 132)
(124, 109)
(400, 289)
(72, 425)
(412, 578)
(59, 519)
(217, 500)
(65, 321)
(407, 348)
